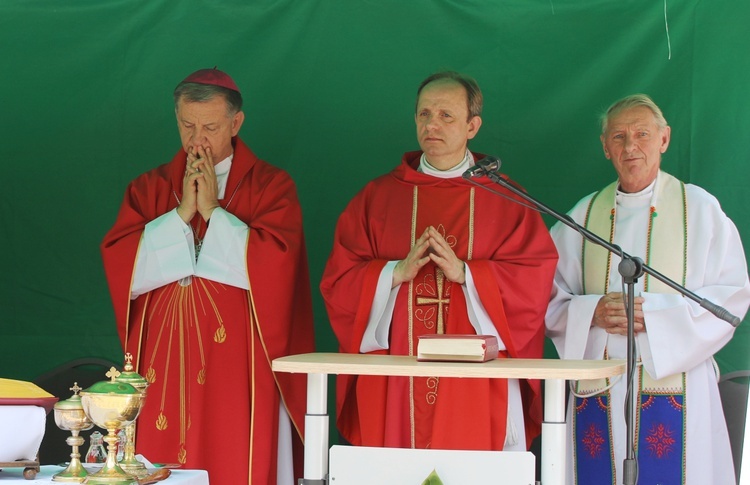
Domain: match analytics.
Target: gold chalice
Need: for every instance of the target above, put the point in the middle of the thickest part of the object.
(129, 463)
(111, 405)
(69, 416)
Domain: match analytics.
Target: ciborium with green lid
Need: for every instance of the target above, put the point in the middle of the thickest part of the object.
(69, 416)
(112, 405)
(129, 463)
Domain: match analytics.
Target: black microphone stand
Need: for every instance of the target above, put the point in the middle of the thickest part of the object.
(630, 268)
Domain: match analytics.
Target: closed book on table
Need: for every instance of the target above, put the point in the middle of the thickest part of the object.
(457, 347)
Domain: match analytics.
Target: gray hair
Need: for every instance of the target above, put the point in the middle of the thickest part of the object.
(200, 93)
(633, 101)
(474, 99)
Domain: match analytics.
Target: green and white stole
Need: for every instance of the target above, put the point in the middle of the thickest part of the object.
(660, 412)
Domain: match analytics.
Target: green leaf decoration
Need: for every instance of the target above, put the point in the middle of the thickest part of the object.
(432, 479)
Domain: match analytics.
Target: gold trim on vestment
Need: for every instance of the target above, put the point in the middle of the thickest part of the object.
(130, 292)
(668, 252)
(440, 280)
(141, 330)
(181, 308)
(412, 423)
(253, 324)
(437, 298)
(139, 350)
(470, 251)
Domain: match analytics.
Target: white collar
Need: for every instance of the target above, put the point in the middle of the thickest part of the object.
(222, 168)
(630, 199)
(454, 172)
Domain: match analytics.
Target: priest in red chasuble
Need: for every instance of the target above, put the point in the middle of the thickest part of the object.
(207, 269)
(421, 250)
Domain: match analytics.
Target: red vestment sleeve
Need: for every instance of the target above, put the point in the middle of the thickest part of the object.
(516, 281)
(351, 277)
(348, 287)
(280, 282)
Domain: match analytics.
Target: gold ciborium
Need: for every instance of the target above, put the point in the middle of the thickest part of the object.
(129, 463)
(111, 405)
(69, 416)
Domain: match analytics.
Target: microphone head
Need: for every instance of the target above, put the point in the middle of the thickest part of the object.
(490, 163)
(482, 167)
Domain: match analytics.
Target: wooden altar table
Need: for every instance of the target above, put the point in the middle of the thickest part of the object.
(554, 372)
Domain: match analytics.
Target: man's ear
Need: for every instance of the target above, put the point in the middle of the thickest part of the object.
(237, 120)
(474, 124)
(665, 137)
(604, 146)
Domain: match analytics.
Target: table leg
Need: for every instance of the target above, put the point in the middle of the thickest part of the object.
(554, 439)
(316, 431)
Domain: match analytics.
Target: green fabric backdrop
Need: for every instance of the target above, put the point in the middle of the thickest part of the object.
(85, 106)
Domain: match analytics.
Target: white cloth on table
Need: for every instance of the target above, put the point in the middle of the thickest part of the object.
(178, 477)
(21, 432)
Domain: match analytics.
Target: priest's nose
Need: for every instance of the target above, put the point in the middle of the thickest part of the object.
(197, 137)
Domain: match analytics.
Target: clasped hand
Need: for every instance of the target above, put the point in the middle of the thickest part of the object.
(200, 190)
(610, 314)
(431, 245)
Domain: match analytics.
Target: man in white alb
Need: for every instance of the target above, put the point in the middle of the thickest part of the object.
(679, 230)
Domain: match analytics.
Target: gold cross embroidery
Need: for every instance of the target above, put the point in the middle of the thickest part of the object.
(439, 299)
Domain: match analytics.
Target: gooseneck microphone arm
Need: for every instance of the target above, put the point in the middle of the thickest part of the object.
(489, 167)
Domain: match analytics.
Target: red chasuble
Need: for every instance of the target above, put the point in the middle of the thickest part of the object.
(512, 259)
(206, 348)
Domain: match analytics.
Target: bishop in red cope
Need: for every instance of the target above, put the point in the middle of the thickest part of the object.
(207, 268)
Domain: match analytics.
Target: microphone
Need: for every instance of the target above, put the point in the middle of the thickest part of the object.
(483, 167)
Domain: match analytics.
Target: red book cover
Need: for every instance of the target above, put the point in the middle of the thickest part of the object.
(457, 348)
